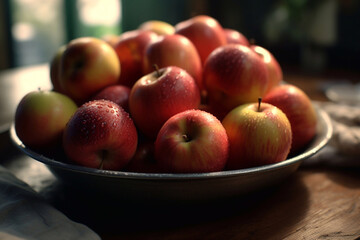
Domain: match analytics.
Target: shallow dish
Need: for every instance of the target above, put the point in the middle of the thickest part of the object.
(181, 187)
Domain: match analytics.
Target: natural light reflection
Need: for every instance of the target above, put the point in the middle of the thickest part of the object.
(99, 12)
(23, 31)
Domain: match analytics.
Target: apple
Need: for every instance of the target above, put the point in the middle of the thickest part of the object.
(192, 141)
(111, 39)
(55, 68)
(118, 94)
(40, 119)
(143, 160)
(87, 65)
(204, 32)
(130, 49)
(157, 96)
(234, 75)
(158, 27)
(259, 134)
(173, 50)
(235, 37)
(100, 135)
(300, 111)
(274, 68)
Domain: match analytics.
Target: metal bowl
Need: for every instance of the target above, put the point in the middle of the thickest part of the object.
(180, 187)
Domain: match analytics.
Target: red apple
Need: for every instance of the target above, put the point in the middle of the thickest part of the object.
(258, 135)
(143, 160)
(118, 94)
(55, 68)
(204, 32)
(192, 141)
(173, 50)
(88, 65)
(41, 117)
(100, 135)
(159, 95)
(234, 75)
(235, 37)
(158, 27)
(130, 49)
(299, 110)
(273, 66)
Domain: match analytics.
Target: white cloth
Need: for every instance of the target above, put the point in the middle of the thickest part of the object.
(343, 149)
(25, 215)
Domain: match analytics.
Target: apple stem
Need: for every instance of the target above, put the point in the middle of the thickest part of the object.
(156, 67)
(259, 103)
(185, 137)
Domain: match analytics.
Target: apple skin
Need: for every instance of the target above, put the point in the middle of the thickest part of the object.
(193, 141)
(40, 119)
(235, 37)
(234, 75)
(88, 65)
(55, 69)
(111, 39)
(158, 27)
(100, 135)
(143, 160)
(157, 96)
(257, 138)
(118, 94)
(300, 111)
(274, 68)
(130, 49)
(204, 32)
(173, 50)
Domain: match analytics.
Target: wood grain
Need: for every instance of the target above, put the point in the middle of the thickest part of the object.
(310, 204)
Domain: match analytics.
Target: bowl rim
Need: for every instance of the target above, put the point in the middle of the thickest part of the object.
(322, 116)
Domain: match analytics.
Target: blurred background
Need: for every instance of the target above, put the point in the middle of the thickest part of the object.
(310, 36)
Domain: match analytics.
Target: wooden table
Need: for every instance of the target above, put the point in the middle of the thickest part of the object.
(313, 203)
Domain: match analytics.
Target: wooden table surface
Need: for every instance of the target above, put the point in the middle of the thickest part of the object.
(313, 203)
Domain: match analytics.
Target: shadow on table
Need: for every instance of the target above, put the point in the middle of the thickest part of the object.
(257, 211)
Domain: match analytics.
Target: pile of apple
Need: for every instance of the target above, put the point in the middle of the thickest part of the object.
(164, 98)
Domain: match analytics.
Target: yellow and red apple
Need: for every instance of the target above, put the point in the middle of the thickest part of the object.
(40, 119)
(158, 27)
(259, 134)
(87, 65)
